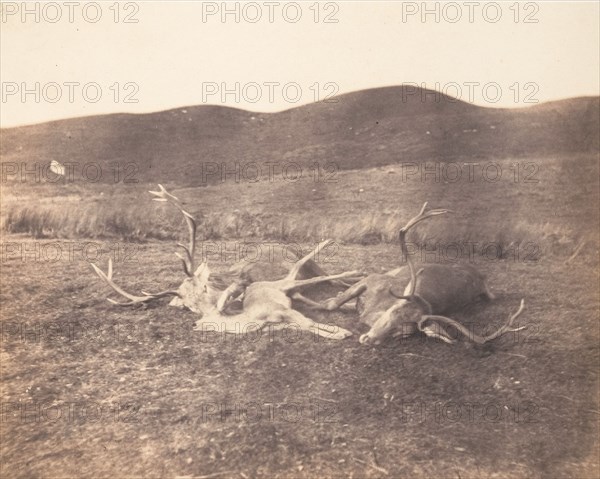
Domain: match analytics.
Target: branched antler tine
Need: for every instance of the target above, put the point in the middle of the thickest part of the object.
(411, 266)
(188, 261)
(423, 216)
(402, 237)
(110, 268)
(191, 222)
(507, 328)
(107, 278)
(159, 196)
(434, 334)
(184, 262)
(167, 194)
(161, 294)
(147, 298)
(163, 194)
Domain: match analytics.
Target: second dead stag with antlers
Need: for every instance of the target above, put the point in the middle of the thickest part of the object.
(430, 291)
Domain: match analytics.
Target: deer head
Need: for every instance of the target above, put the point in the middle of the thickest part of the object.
(195, 292)
(412, 312)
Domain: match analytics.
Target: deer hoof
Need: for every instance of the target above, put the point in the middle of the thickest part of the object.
(368, 340)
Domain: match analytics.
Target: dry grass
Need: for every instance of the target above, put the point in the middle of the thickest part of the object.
(83, 220)
(79, 349)
(553, 217)
(90, 220)
(544, 382)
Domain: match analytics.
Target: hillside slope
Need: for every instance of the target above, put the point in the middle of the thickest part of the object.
(361, 129)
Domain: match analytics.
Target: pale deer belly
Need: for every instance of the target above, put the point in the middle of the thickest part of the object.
(266, 298)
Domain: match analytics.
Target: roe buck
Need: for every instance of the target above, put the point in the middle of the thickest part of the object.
(199, 292)
(428, 292)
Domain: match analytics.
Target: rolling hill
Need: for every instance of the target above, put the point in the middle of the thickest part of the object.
(358, 130)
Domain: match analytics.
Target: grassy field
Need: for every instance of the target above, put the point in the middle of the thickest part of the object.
(542, 200)
(93, 390)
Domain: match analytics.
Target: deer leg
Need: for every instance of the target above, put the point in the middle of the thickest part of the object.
(353, 292)
(307, 301)
(395, 272)
(295, 270)
(236, 324)
(310, 269)
(315, 305)
(329, 331)
(291, 285)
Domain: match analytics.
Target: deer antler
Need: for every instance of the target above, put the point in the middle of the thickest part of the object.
(107, 278)
(507, 328)
(188, 261)
(402, 237)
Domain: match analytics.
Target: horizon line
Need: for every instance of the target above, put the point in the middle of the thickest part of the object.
(222, 105)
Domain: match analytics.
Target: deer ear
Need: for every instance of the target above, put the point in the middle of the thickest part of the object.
(202, 272)
(399, 296)
(414, 298)
(237, 268)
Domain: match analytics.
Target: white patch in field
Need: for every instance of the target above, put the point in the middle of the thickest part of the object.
(57, 168)
(356, 193)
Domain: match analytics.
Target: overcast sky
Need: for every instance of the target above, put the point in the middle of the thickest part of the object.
(181, 54)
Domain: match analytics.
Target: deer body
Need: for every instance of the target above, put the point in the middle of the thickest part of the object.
(267, 302)
(449, 288)
(427, 293)
(265, 289)
(446, 288)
